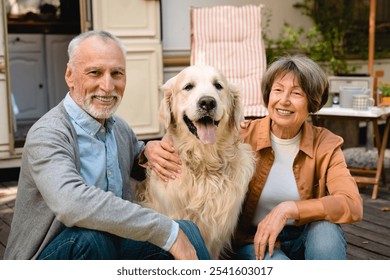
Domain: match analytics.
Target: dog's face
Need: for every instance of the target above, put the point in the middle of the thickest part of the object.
(201, 99)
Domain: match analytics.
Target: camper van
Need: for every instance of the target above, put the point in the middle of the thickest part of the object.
(33, 57)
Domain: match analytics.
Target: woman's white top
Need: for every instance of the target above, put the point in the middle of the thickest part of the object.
(280, 185)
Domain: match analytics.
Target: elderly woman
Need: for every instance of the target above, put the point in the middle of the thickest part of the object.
(302, 189)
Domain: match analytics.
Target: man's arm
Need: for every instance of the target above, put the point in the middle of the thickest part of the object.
(162, 158)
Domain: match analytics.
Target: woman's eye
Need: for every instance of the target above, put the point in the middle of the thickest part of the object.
(188, 87)
(298, 93)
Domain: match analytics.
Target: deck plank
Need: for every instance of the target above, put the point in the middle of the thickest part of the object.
(368, 235)
(4, 232)
(372, 249)
(375, 228)
(358, 253)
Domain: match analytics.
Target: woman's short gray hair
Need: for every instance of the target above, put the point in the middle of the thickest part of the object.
(311, 78)
(76, 41)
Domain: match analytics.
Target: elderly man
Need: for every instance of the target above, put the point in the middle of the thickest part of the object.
(74, 193)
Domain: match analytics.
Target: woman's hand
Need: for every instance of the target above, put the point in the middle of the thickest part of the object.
(163, 159)
(270, 227)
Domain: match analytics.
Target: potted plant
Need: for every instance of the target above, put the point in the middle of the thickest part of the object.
(384, 92)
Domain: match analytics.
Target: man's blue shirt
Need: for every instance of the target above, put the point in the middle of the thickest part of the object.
(98, 149)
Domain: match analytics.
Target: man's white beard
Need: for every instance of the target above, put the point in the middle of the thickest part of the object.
(102, 112)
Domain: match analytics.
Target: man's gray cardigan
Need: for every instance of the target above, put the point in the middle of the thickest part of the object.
(51, 193)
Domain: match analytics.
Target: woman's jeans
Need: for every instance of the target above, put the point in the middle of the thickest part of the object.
(315, 241)
(84, 244)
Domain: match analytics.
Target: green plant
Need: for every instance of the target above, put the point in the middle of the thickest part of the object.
(327, 41)
(384, 88)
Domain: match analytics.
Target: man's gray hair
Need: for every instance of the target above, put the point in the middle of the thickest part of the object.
(76, 41)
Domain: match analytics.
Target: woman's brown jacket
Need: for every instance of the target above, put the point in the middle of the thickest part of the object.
(326, 187)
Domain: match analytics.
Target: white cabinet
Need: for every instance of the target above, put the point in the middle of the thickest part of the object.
(56, 47)
(136, 19)
(37, 66)
(27, 67)
(140, 103)
(7, 158)
(137, 24)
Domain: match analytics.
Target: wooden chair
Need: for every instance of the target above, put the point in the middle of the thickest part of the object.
(230, 39)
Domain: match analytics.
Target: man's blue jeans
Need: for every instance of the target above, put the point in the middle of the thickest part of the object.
(315, 241)
(84, 244)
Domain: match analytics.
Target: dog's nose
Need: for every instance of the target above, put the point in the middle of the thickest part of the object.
(207, 103)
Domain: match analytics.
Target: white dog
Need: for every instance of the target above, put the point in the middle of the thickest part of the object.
(202, 114)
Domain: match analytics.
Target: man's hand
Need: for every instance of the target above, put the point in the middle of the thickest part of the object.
(244, 123)
(270, 227)
(163, 159)
(183, 249)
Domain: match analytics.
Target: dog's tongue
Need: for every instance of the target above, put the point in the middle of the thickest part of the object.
(207, 133)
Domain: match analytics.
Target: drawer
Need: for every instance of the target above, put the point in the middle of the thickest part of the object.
(25, 43)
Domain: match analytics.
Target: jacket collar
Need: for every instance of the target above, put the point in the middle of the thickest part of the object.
(264, 137)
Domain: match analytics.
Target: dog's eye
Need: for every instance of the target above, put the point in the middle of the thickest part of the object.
(188, 87)
(218, 86)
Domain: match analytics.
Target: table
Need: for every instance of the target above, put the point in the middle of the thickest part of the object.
(373, 115)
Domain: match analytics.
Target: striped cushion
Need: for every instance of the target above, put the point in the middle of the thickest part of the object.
(230, 39)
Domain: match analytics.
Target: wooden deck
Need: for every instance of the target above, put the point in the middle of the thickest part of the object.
(367, 240)
(370, 238)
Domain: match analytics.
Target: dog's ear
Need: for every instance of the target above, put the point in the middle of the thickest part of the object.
(237, 114)
(165, 105)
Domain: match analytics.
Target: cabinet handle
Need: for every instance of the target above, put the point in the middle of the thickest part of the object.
(2, 68)
(16, 40)
(40, 86)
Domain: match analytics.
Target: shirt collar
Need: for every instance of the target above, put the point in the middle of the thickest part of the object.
(264, 138)
(83, 119)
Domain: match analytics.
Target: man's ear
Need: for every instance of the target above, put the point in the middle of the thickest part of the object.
(68, 76)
